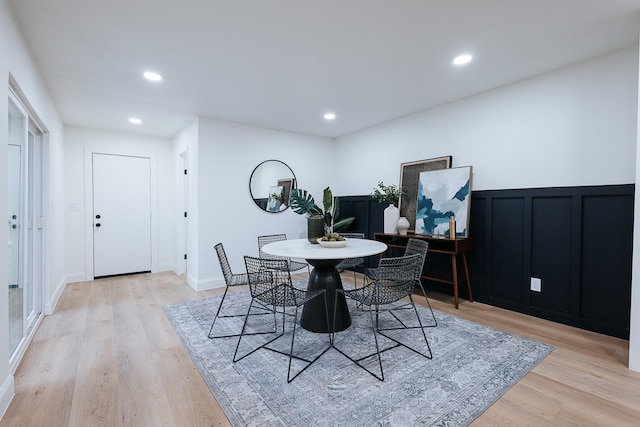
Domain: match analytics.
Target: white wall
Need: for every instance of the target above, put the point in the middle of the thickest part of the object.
(227, 154)
(575, 126)
(79, 142)
(16, 60)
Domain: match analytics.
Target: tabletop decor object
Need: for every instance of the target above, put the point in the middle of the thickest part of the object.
(403, 226)
(303, 203)
(327, 243)
(391, 217)
(315, 227)
(389, 194)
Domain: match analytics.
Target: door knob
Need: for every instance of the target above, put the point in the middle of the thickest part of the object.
(97, 216)
(98, 225)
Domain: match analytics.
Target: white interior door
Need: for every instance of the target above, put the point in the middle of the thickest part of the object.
(121, 214)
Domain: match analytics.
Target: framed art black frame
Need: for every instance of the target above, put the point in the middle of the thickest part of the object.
(409, 177)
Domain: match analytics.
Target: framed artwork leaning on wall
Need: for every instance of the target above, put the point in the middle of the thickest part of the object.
(442, 194)
(409, 176)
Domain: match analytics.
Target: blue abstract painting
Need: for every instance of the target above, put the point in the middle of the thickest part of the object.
(442, 194)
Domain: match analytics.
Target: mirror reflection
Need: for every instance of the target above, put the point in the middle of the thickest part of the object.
(270, 184)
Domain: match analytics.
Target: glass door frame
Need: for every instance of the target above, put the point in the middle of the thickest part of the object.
(34, 215)
(30, 223)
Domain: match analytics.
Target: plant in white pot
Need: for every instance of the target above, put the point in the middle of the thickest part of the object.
(319, 221)
(389, 194)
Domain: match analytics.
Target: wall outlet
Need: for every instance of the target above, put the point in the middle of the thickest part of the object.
(536, 284)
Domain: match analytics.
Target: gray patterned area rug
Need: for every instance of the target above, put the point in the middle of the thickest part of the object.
(472, 366)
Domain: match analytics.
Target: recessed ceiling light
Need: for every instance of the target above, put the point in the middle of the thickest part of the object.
(153, 76)
(329, 116)
(462, 59)
(135, 120)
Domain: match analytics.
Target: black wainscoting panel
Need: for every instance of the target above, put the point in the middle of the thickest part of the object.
(506, 256)
(578, 240)
(551, 245)
(607, 244)
(369, 214)
(479, 229)
(367, 211)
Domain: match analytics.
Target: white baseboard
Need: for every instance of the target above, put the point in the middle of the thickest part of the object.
(75, 277)
(49, 307)
(7, 392)
(166, 267)
(203, 285)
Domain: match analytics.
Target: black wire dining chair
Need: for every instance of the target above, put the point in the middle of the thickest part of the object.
(231, 281)
(351, 263)
(414, 246)
(293, 265)
(395, 278)
(270, 284)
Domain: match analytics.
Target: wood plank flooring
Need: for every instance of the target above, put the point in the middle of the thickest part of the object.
(109, 357)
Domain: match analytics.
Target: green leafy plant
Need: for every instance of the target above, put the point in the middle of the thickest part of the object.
(387, 193)
(303, 203)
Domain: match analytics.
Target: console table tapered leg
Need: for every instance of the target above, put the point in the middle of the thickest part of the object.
(454, 266)
(466, 272)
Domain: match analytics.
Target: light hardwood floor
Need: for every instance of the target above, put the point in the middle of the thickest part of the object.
(109, 357)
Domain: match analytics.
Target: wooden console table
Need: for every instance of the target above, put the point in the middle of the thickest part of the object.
(454, 247)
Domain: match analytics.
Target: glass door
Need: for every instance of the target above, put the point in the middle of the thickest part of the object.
(17, 134)
(25, 220)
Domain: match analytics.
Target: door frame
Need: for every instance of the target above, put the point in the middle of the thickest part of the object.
(183, 202)
(89, 150)
(37, 149)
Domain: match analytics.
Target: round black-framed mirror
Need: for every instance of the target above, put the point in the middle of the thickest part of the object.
(270, 184)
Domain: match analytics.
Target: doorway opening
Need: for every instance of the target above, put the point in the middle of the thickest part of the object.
(184, 199)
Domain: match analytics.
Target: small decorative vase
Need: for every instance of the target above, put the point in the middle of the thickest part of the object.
(315, 228)
(452, 227)
(391, 216)
(403, 226)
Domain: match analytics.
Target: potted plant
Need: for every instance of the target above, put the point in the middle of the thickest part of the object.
(387, 193)
(390, 194)
(320, 222)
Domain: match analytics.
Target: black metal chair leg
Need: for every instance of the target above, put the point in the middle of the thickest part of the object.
(375, 336)
(244, 326)
(357, 361)
(421, 327)
(217, 312)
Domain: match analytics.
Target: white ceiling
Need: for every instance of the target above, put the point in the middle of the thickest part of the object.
(283, 63)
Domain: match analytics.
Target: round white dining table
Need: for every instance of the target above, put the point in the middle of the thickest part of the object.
(325, 276)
